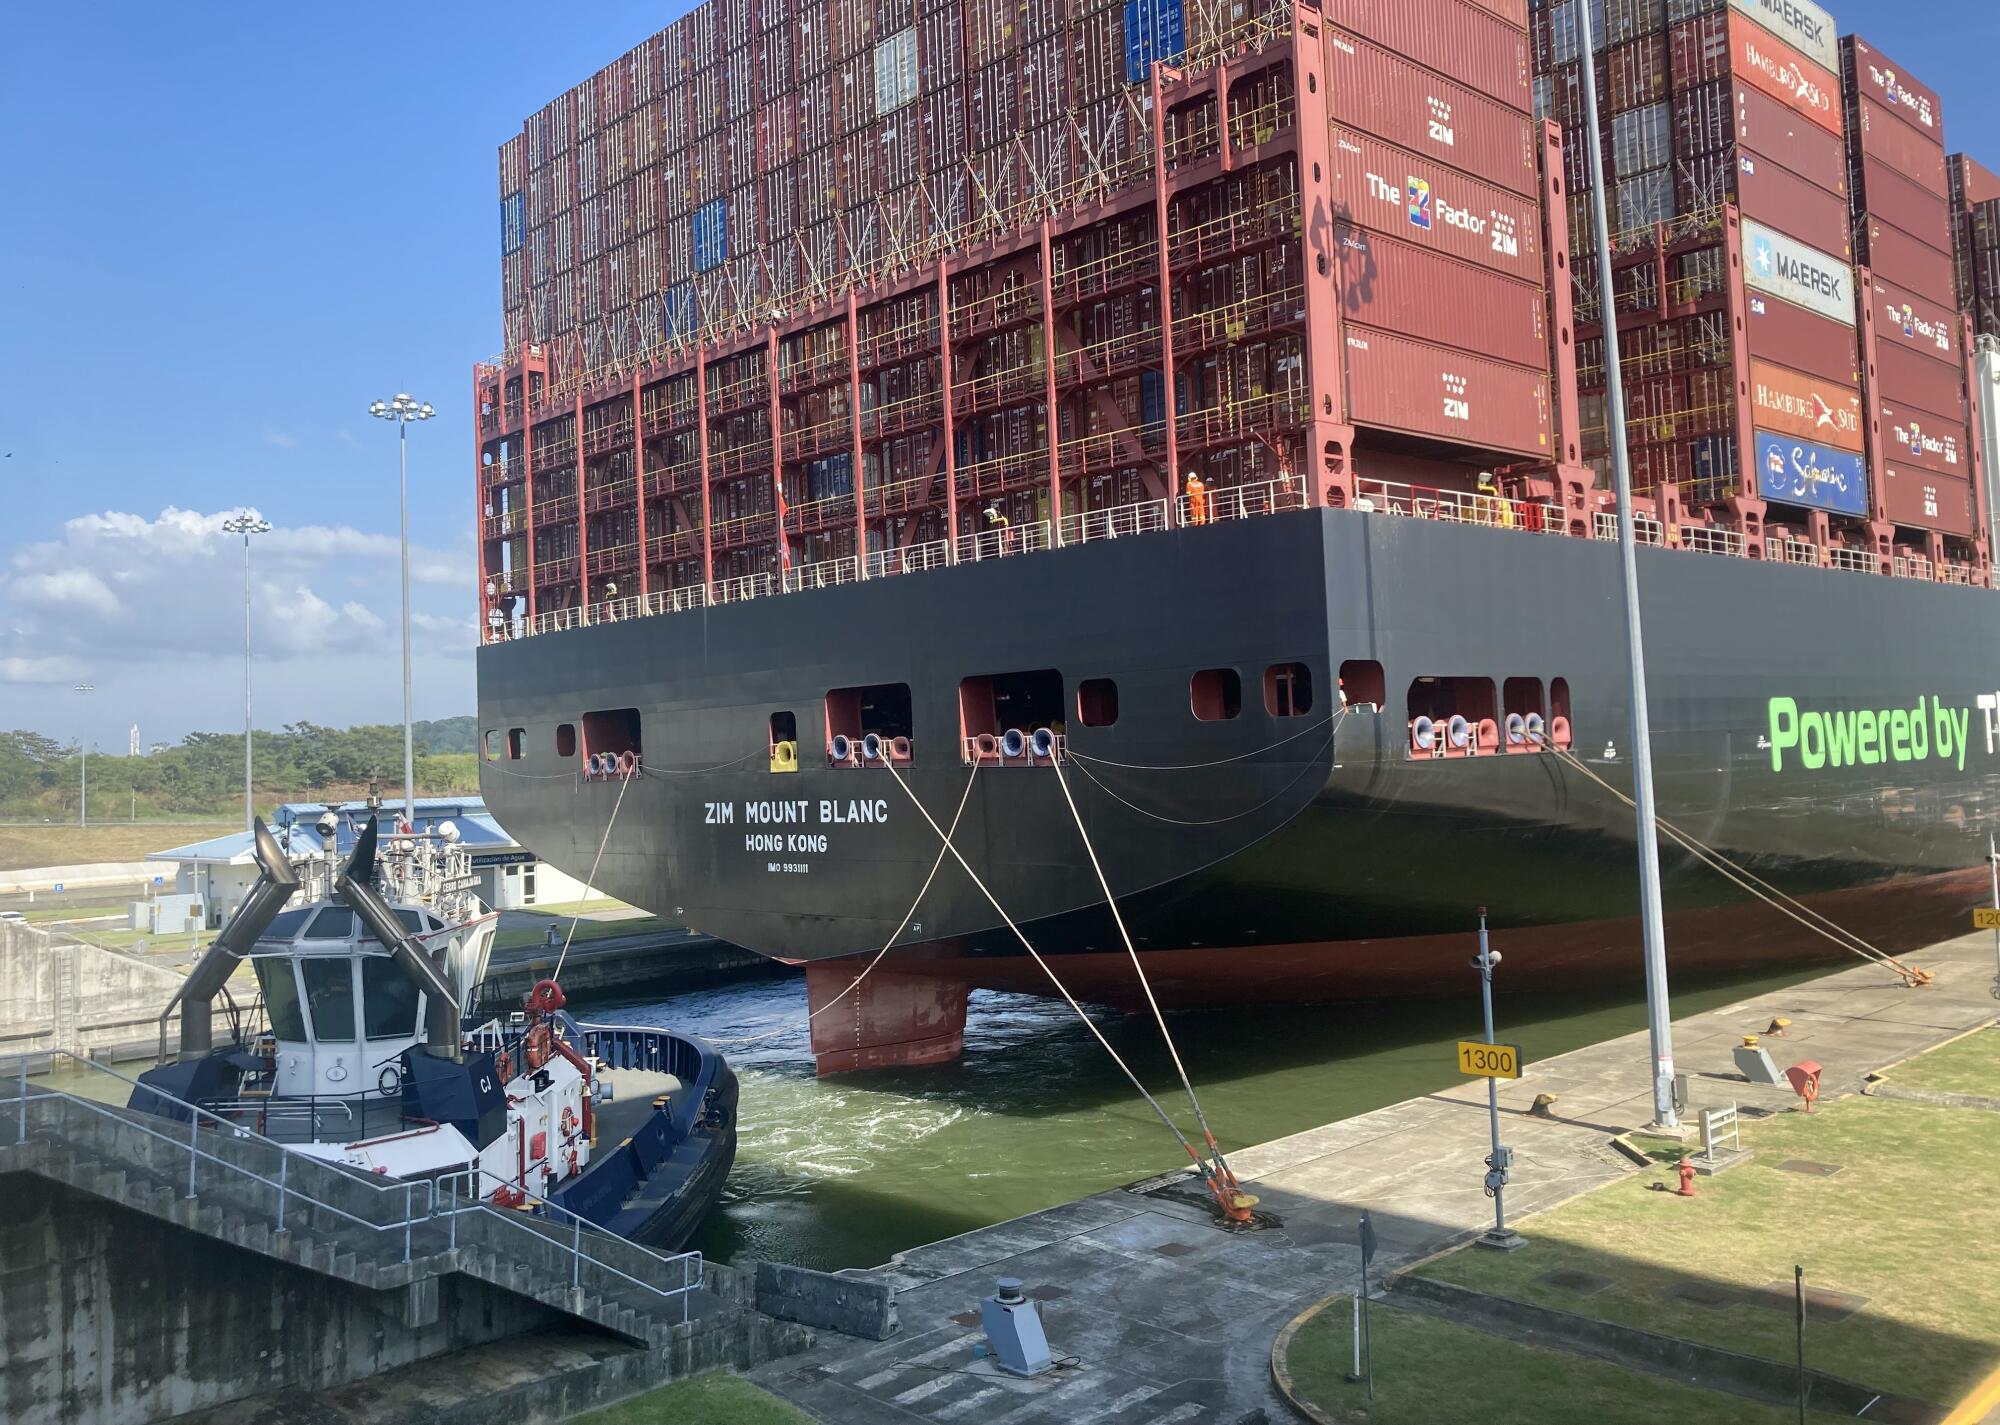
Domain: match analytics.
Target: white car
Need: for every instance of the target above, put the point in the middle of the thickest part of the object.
(13, 915)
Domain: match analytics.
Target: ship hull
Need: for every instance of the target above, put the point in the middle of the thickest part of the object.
(1263, 856)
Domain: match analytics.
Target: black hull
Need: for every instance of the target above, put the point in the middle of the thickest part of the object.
(1261, 831)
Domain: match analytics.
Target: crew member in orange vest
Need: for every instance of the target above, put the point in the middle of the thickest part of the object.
(1197, 498)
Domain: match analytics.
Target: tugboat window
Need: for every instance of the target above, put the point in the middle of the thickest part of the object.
(566, 739)
(336, 922)
(329, 997)
(281, 997)
(1288, 690)
(1097, 702)
(1216, 694)
(388, 1000)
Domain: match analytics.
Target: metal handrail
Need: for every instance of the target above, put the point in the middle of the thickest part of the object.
(1113, 522)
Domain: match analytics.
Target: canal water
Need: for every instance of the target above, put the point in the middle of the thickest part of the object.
(843, 1172)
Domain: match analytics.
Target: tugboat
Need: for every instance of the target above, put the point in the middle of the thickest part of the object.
(374, 1049)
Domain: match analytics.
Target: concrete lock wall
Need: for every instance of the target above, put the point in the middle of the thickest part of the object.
(105, 1319)
(58, 993)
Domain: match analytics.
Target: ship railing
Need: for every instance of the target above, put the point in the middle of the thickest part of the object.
(1003, 541)
(1238, 502)
(822, 575)
(674, 601)
(1949, 573)
(557, 620)
(1645, 528)
(1913, 566)
(1490, 510)
(910, 559)
(1858, 561)
(259, 1178)
(1114, 522)
(1798, 551)
(1713, 539)
(989, 750)
(741, 588)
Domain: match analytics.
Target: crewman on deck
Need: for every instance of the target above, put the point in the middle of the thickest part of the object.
(1493, 507)
(1197, 498)
(611, 598)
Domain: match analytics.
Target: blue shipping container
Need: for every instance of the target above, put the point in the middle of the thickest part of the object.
(1154, 29)
(513, 222)
(1798, 472)
(711, 235)
(677, 314)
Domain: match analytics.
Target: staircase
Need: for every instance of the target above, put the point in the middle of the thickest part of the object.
(223, 1182)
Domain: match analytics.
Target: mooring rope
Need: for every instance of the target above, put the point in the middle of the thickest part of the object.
(574, 920)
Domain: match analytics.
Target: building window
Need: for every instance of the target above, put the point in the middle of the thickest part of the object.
(566, 740)
(1216, 694)
(528, 884)
(1097, 702)
(1288, 690)
(517, 743)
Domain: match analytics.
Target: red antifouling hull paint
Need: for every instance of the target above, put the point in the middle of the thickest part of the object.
(1457, 39)
(1396, 286)
(1926, 500)
(1907, 321)
(1765, 62)
(1412, 386)
(1882, 81)
(1791, 336)
(1403, 195)
(1884, 137)
(1778, 131)
(1379, 93)
(1906, 261)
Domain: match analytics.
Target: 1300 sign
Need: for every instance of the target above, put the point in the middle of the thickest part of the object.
(1489, 1061)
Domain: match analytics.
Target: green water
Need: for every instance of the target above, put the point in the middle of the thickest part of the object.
(843, 1172)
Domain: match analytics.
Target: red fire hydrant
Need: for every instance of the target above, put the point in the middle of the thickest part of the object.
(1686, 1188)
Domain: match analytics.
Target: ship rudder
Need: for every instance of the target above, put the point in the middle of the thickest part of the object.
(892, 1019)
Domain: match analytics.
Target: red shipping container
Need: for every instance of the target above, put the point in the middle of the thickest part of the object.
(1980, 183)
(1398, 286)
(1638, 74)
(1457, 39)
(1764, 62)
(1778, 198)
(1917, 211)
(1804, 341)
(1907, 262)
(1395, 192)
(1698, 50)
(1404, 385)
(1810, 407)
(1925, 500)
(1895, 143)
(1906, 377)
(1924, 439)
(1370, 89)
(1777, 131)
(1876, 77)
(1915, 323)
(1514, 12)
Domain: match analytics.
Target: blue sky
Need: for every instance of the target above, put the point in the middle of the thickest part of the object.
(230, 228)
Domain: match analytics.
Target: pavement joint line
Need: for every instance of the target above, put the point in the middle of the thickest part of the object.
(1129, 1398)
(967, 1405)
(925, 1390)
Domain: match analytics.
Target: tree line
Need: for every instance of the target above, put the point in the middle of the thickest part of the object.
(203, 773)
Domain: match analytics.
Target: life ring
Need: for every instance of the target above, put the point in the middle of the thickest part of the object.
(568, 1123)
(389, 1080)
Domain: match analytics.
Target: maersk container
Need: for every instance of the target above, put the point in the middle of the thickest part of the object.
(1400, 194)
(1392, 285)
(1457, 38)
(1873, 75)
(1379, 93)
(1412, 386)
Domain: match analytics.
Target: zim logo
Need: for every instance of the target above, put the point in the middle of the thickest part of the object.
(1456, 406)
(1440, 123)
(1419, 193)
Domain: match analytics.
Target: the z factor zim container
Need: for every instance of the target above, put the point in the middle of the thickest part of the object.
(1922, 499)
(1459, 40)
(1905, 321)
(1873, 75)
(1375, 92)
(1421, 389)
(1399, 194)
(1936, 443)
(1396, 286)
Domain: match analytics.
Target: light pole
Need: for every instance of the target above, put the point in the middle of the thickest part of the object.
(83, 768)
(246, 525)
(1497, 1167)
(1659, 1021)
(403, 409)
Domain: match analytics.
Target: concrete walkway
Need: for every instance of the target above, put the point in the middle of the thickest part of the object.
(1169, 1319)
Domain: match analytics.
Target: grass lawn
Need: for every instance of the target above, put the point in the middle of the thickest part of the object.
(583, 907)
(1428, 1371)
(1969, 1065)
(71, 845)
(586, 929)
(1905, 1223)
(717, 1398)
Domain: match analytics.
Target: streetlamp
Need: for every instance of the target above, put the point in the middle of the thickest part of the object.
(83, 769)
(402, 410)
(246, 525)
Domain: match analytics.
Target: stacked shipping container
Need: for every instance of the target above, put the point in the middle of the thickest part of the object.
(802, 292)
(1726, 183)
(1913, 345)
(1974, 193)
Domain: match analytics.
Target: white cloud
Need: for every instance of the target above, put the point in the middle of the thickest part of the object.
(66, 591)
(281, 440)
(40, 670)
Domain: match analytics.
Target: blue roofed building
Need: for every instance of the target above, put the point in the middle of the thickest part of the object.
(221, 869)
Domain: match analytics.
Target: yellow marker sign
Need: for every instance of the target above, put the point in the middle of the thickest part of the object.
(1985, 918)
(1489, 1061)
